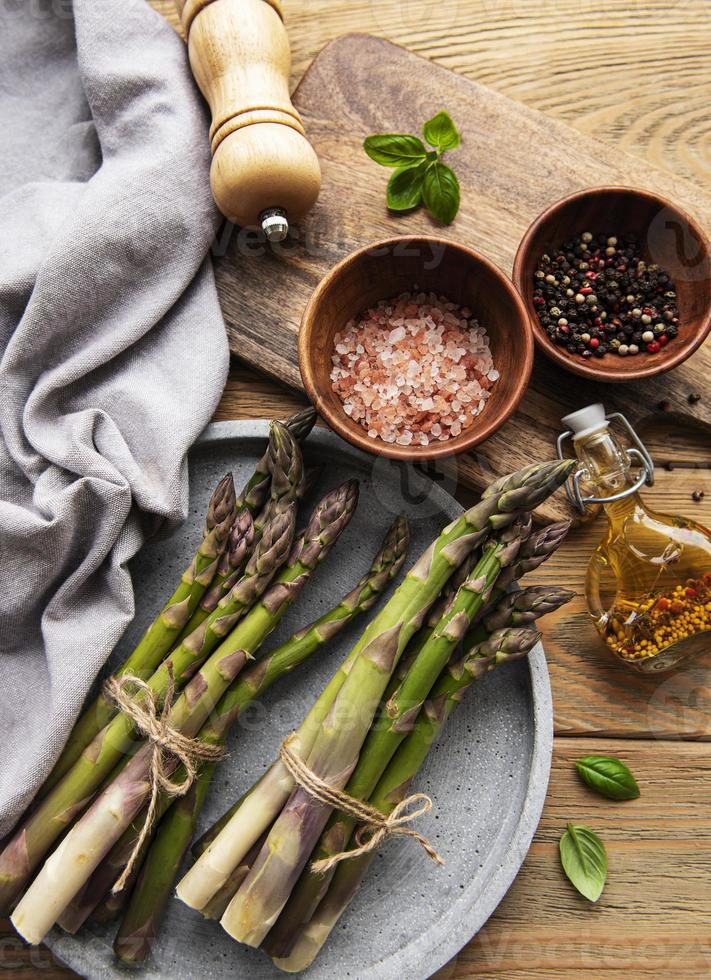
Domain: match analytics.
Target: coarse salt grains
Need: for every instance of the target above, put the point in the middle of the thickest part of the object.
(413, 370)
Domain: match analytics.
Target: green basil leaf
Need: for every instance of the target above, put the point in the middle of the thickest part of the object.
(405, 188)
(608, 776)
(395, 149)
(441, 132)
(440, 192)
(584, 860)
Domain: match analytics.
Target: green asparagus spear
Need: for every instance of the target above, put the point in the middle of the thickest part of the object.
(231, 565)
(335, 750)
(394, 785)
(67, 869)
(239, 829)
(397, 718)
(255, 493)
(525, 606)
(519, 478)
(286, 467)
(538, 549)
(95, 899)
(217, 905)
(139, 927)
(301, 423)
(248, 686)
(71, 795)
(163, 631)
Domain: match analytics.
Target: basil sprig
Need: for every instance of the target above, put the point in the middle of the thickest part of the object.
(608, 776)
(420, 176)
(584, 860)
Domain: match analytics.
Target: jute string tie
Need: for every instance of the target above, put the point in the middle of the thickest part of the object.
(169, 747)
(375, 827)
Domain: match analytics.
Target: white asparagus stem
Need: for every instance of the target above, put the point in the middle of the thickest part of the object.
(266, 800)
(67, 868)
(255, 815)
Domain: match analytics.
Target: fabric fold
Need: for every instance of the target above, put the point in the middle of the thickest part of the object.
(113, 351)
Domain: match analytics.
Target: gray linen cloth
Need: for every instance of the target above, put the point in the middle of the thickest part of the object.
(112, 346)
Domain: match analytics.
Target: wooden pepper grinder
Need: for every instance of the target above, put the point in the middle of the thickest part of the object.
(264, 171)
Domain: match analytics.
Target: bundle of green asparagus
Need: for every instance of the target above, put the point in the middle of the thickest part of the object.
(282, 864)
(192, 674)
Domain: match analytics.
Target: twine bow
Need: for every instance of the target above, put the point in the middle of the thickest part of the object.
(169, 748)
(376, 827)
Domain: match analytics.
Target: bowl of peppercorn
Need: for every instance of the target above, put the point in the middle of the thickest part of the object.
(617, 283)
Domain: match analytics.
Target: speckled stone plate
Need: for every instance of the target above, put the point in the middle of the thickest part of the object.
(487, 774)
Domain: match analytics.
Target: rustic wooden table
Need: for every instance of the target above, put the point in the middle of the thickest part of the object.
(638, 75)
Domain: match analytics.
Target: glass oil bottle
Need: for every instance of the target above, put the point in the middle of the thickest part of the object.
(648, 584)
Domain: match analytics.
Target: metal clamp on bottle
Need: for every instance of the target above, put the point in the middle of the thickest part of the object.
(584, 423)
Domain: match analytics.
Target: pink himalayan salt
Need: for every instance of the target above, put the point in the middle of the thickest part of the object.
(413, 369)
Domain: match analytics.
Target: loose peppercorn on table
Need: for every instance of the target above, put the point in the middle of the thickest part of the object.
(652, 919)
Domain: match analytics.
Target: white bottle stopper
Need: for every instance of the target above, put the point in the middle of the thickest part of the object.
(586, 420)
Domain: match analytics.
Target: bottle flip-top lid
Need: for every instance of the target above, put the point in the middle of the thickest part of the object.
(586, 420)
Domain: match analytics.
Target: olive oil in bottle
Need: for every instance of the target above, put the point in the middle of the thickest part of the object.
(649, 581)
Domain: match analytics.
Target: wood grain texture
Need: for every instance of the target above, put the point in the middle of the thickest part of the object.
(638, 76)
(652, 918)
(359, 85)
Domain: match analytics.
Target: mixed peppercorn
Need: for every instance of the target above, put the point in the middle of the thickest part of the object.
(597, 295)
(661, 621)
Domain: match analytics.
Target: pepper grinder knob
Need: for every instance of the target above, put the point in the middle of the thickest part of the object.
(264, 171)
(275, 224)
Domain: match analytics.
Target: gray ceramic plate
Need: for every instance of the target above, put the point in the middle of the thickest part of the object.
(487, 775)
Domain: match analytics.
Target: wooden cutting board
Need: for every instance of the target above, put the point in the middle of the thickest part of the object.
(512, 164)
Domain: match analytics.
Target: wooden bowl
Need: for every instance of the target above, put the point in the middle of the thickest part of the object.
(396, 265)
(667, 236)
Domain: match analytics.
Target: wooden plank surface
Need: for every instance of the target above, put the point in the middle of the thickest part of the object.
(359, 85)
(653, 916)
(638, 76)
